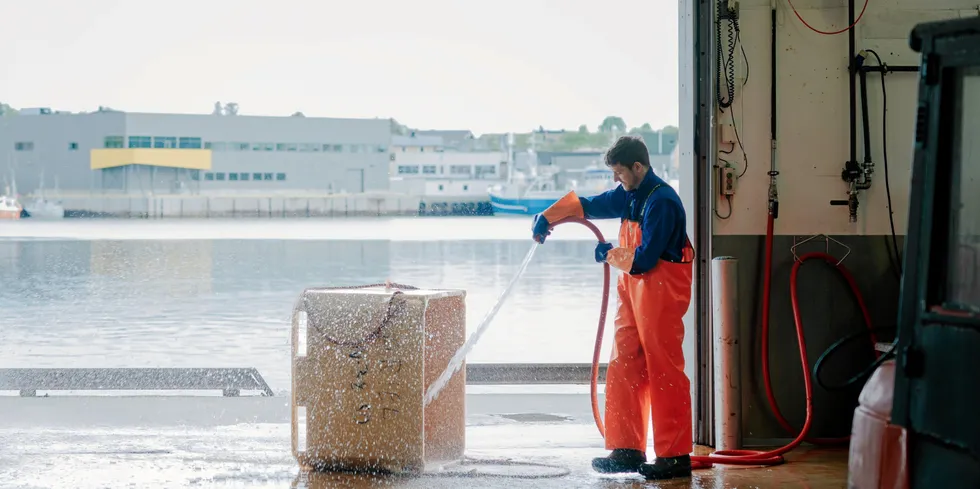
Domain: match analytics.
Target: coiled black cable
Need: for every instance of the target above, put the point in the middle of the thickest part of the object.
(727, 66)
(864, 374)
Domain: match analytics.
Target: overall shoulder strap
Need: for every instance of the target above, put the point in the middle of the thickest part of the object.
(646, 200)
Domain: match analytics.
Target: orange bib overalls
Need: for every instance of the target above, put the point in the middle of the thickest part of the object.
(646, 371)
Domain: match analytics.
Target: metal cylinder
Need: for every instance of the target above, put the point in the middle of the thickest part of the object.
(725, 358)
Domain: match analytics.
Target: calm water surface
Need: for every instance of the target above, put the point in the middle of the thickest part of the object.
(214, 293)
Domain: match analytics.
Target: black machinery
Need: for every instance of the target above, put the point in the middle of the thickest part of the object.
(937, 357)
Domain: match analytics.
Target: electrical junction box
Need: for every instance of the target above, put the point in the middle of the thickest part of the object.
(727, 131)
(728, 9)
(726, 180)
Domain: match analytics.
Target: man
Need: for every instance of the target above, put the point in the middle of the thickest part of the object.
(646, 372)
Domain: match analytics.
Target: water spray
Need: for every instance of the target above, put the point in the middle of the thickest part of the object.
(457, 361)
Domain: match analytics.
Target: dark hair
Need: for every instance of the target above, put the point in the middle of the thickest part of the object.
(627, 150)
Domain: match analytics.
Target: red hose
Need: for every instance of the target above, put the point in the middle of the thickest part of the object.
(602, 323)
(743, 457)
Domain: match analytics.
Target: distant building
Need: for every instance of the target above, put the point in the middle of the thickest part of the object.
(449, 164)
(541, 136)
(660, 145)
(453, 139)
(416, 143)
(448, 173)
(112, 151)
(570, 160)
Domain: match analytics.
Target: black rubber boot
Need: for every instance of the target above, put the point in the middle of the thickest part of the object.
(621, 460)
(667, 468)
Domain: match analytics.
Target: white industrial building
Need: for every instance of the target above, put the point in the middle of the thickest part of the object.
(447, 174)
(141, 153)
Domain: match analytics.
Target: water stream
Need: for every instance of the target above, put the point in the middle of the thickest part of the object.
(457, 361)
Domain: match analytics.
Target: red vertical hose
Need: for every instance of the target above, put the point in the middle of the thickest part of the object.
(594, 384)
(742, 457)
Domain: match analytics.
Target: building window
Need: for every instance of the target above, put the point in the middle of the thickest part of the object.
(216, 146)
(309, 147)
(459, 170)
(190, 143)
(196, 175)
(256, 176)
(466, 187)
(263, 147)
(164, 142)
(209, 176)
(140, 142)
(73, 146)
(408, 170)
(440, 187)
(243, 176)
(382, 149)
(338, 148)
(114, 142)
(233, 177)
(219, 176)
(482, 170)
(429, 169)
(280, 177)
(267, 176)
(24, 146)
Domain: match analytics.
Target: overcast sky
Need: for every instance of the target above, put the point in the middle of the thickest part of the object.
(489, 66)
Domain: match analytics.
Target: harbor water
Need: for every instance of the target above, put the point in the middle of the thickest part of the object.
(218, 293)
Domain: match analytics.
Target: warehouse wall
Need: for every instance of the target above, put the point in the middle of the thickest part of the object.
(813, 144)
(58, 151)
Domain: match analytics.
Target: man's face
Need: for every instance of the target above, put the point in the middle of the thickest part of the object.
(630, 176)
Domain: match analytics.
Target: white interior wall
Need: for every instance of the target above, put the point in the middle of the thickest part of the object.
(813, 117)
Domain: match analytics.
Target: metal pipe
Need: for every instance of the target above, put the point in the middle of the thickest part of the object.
(772, 75)
(773, 192)
(852, 71)
(725, 358)
(882, 69)
(866, 126)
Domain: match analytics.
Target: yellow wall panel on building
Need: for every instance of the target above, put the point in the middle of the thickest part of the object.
(190, 159)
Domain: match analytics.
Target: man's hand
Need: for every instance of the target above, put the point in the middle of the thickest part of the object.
(600, 252)
(540, 228)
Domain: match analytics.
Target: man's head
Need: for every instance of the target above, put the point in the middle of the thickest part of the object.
(629, 160)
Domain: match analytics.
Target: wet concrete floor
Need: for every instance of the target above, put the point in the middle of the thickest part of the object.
(161, 443)
(806, 468)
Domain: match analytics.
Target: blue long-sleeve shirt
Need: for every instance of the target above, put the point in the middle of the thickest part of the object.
(664, 224)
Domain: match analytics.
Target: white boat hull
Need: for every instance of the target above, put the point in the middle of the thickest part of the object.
(45, 210)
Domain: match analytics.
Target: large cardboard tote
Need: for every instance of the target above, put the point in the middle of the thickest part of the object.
(361, 360)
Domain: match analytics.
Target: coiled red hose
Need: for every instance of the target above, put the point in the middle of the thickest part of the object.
(742, 457)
